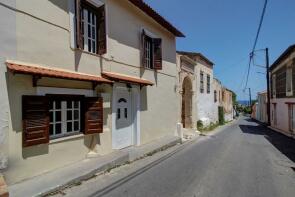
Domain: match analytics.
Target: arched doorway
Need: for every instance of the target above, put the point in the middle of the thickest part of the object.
(186, 112)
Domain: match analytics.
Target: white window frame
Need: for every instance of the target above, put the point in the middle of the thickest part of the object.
(149, 53)
(289, 85)
(64, 120)
(89, 21)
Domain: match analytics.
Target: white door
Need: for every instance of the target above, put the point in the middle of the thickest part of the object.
(123, 131)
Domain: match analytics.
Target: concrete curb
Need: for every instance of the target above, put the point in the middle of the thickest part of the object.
(74, 174)
(52, 181)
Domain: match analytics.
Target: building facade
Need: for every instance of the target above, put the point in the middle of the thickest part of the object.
(75, 83)
(261, 107)
(282, 103)
(195, 79)
(217, 99)
(227, 103)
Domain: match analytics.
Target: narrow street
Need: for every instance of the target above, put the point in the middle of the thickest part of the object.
(243, 160)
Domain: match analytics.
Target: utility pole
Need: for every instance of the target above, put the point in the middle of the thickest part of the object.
(268, 85)
(250, 98)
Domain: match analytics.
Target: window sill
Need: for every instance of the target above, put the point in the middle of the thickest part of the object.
(66, 138)
(86, 52)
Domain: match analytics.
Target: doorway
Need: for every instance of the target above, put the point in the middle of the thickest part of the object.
(186, 109)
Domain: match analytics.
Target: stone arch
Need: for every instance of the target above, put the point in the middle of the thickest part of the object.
(187, 102)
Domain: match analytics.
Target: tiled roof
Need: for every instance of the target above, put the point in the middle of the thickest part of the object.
(126, 78)
(157, 17)
(22, 68)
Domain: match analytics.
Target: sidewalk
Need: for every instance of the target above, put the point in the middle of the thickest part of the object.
(75, 173)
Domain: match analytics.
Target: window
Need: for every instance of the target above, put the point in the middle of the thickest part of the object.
(273, 82)
(65, 117)
(208, 84)
(149, 53)
(89, 30)
(54, 116)
(202, 82)
(289, 91)
(215, 96)
(152, 52)
(91, 27)
(292, 117)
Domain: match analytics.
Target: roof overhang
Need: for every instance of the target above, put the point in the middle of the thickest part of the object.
(126, 79)
(283, 56)
(40, 71)
(157, 17)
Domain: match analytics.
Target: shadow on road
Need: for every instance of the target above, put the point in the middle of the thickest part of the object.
(281, 142)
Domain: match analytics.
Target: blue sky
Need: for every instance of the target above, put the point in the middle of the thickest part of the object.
(224, 31)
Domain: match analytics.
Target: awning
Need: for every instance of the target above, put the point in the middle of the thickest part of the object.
(40, 71)
(126, 78)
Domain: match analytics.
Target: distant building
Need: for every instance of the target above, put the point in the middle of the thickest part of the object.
(259, 109)
(282, 93)
(227, 103)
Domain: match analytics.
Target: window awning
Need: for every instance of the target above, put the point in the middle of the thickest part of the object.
(126, 78)
(40, 71)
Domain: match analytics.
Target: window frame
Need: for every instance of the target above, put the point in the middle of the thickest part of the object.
(86, 11)
(215, 96)
(274, 86)
(63, 99)
(208, 84)
(289, 81)
(149, 54)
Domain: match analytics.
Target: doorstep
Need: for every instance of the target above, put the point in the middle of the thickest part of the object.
(71, 174)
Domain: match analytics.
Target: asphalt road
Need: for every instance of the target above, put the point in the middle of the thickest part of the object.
(243, 160)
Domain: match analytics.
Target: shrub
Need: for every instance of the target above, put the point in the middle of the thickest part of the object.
(221, 115)
(200, 125)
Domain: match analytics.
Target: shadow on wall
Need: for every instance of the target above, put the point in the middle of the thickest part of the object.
(284, 144)
(61, 4)
(143, 98)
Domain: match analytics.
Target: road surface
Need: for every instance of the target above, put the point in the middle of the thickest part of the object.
(243, 160)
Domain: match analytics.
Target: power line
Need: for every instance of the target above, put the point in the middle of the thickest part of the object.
(256, 40)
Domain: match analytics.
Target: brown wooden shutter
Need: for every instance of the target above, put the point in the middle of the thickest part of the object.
(101, 33)
(93, 115)
(79, 36)
(157, 42)
(143, 49)
(35, 120)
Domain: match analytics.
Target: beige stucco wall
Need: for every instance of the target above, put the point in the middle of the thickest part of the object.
(43, 37)
(27, 162)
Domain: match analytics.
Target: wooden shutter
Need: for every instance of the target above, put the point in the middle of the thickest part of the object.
(157, 43)
(93, 115)
(35, 120)
(101, 33)
(143, 49)
(79, 36)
